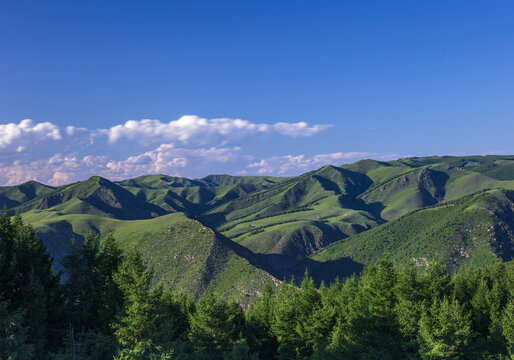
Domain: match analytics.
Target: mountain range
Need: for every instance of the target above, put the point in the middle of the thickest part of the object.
(232, 233)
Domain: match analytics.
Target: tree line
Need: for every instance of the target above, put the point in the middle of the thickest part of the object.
(104, 305)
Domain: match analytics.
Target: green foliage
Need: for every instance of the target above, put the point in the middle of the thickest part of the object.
(259, 321)
(508, 326)
(434, 206)
(143, 328)
(28, 282)
(13, 335)
(445, 330)
(115, 311)
(464, 231)
(240, 351)
(460, 207)
(215, 326)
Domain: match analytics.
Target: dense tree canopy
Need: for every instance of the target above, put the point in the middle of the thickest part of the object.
(108, 307)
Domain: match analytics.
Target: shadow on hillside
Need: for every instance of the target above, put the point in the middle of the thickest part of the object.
(286, 268)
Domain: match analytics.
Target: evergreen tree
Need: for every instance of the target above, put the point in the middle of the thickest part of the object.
(284, 324)
(84, 285)
(111, 256)
(13, 335)
(346, 317)
(445, 331)
(508, 326)
(241, 351)
(29, 283)
(436, 279)
(372, 327)
(144, 327)
(215, 326)
(411, 294)
(498, 298)
(259, 320)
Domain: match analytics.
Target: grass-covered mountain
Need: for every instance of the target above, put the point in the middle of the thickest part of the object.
(476, 229)
(231, 232)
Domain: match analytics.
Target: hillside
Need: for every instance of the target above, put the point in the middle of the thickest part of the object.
(284, 226)
(306, 213)
(477, 229)
(12, 196)
(176, 194)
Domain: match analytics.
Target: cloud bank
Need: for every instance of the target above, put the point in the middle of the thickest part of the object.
(190, 146)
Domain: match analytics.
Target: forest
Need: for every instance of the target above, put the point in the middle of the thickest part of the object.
(105, 304)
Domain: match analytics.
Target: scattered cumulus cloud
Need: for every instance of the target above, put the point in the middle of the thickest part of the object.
(192, 129)
(293, 164)
(189, 146)
(27, 131)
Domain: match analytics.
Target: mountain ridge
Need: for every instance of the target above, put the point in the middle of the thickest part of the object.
(279, 226)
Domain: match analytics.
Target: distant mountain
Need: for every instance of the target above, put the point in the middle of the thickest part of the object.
(331, 221)
(95, 196)
(12, 196)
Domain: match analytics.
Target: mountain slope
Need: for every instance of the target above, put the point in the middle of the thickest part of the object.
(12, 196)
(174, 194)
(185, 254)
(96, 196)
(297, 216)
(255, 227)
(476, 229)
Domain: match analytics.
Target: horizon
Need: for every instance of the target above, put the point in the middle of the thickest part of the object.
(264, 176)
(124, 89)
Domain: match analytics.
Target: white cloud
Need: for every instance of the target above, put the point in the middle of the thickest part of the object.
(296, 164)
(13, 134)
(192, 129)
(190, 146)
(165, 159)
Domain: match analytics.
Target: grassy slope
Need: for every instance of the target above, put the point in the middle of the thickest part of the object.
(12, 196)
(298, 216)
(186, 255)
(194, 196)
(475, 229)
(95, 196)
(286, 219)
(303, 214)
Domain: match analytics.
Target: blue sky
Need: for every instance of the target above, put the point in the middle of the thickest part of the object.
(189, 88)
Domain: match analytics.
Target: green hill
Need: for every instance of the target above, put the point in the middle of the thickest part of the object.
(174, 194)
(477, 229)
(298, 216)
(12, 196)
(186, 255)
(95, 196)
(331, 221)
(303, 214)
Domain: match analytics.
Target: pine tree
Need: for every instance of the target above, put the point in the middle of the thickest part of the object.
(84, 284)
(312, 326)
(445, 331)
(143, 329)
(215, 326)
(29, 283)
(508, 326)
(241, 351)
(111, 256)
(436, 279)
(372, 328)
(286, 317)
(13, 335)
(411, 294)
(498, 298)
(347, 314)
(259, 320)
